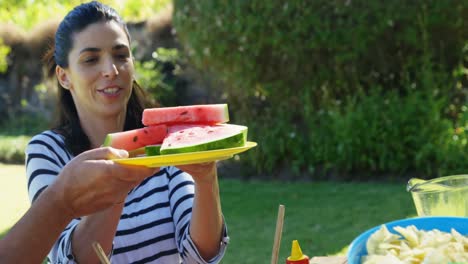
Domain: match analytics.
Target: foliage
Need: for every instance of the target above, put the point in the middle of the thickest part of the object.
(29, 13)
(312, 78)
(155, 75)
(382, 132)
(24, 124)
(12, 148)
(15, 134)
(4, 50)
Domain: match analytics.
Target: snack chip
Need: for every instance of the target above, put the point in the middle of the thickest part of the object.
(413, 246)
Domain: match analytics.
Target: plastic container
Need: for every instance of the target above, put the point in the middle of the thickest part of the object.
(444, 196)
(357, 248)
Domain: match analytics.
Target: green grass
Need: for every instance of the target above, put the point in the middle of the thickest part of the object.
(324, 216)
(13, 197)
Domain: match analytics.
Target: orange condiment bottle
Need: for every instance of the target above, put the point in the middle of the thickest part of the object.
(296, 255)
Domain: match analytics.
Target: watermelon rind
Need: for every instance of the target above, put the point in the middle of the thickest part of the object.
(136, 152)
(153, 150)
(236, 140)
(107, 140)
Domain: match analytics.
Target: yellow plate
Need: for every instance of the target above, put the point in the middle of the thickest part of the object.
(187, 158)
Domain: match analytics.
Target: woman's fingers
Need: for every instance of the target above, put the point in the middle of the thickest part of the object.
(201, 172)
(198, 168)
(131, 173)
(119, 171)
(103, 153)
(91, 182)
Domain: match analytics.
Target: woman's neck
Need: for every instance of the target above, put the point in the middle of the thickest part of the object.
(97, 128)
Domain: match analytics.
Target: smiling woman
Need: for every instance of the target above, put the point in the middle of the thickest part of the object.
(172, 215)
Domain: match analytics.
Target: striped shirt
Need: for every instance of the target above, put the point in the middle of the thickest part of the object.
(154, 225)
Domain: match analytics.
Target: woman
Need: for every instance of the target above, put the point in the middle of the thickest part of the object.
(171, 217)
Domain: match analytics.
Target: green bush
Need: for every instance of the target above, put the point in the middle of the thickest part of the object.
(340, 44)
(383, 132)
(25, 124)
(12, 149)
(341, 86)
(15, 133)
(156, 75)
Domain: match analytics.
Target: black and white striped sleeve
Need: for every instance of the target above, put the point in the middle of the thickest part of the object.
(181, 196)
(46, 156)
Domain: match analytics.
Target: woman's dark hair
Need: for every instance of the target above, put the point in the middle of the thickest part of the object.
(68, 122)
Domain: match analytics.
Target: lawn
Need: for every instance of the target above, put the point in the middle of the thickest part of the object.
(13, 197)
(323, 216)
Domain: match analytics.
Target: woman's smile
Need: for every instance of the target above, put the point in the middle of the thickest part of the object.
(111, 91)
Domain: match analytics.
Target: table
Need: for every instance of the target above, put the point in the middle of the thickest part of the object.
(328, 260)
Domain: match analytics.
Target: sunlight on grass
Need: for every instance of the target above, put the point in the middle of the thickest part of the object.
(13, 198)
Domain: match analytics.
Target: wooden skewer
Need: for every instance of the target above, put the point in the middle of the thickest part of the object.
(100, 253)
(278, 232)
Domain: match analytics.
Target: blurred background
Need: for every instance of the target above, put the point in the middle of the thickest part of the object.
(346, 99)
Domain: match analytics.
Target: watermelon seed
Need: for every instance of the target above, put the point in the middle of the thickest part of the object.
(184, 113)
(135, 138)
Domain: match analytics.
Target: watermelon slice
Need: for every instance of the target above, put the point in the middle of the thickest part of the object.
(204, 114)
(192, 138)
(136, 138)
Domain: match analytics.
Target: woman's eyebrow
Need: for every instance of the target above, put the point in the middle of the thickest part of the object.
(120, 46)
(90, 50)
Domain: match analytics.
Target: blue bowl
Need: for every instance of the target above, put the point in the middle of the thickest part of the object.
(357, 249)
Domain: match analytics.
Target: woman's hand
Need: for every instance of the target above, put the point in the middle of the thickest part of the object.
(206, 223)
(91, 182)
(201, 172)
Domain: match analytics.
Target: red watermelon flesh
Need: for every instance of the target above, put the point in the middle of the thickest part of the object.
(201, 114)
(136, 138)
(193, 138)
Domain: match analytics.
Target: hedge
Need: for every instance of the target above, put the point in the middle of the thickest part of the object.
(349, 87)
